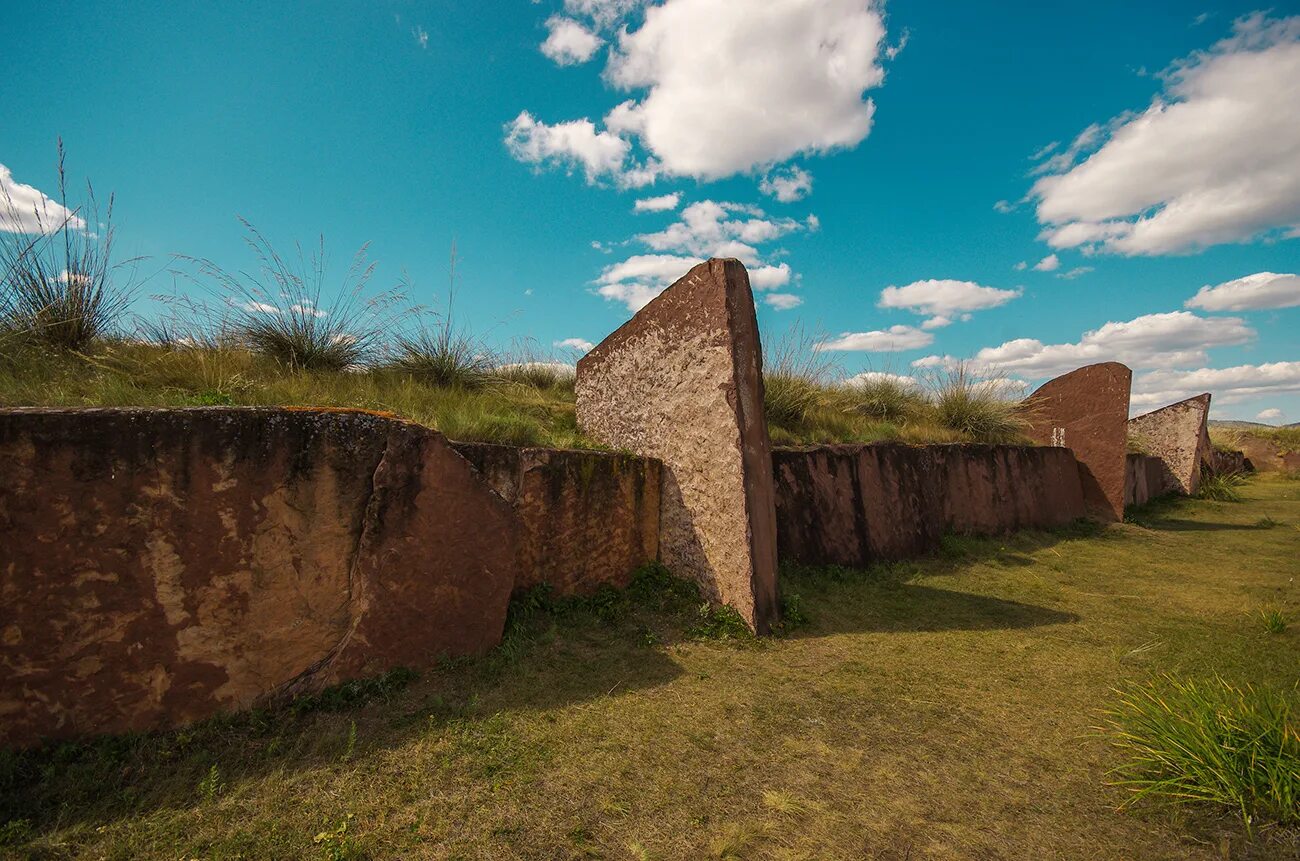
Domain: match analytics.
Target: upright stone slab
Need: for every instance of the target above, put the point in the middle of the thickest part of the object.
(682, 382)
(1086, 411)
(1178, 437)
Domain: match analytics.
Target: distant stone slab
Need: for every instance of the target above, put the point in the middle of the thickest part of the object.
(158, 566)
(682, 382)
(1178, 437)
(1086, 411)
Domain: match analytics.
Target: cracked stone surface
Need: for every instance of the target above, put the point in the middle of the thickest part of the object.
(160, 566)
(682, 382)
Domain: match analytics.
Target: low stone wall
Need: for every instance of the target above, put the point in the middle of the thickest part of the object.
(589, 518)
(1228, 462)
(854, 505)
(1145, 478)
(159, 566)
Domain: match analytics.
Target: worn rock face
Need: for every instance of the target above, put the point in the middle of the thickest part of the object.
(681, 382)
(1086, 411)
(1228, 462)
(1145, 478)
(1265, 456)
(159, 566)
(589, 518)
(1178, 438)
(854, 505)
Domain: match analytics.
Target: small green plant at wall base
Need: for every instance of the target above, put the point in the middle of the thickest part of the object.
(1274, 620)
(1221, 488)
(211, 785)
(336, 844)
(1210, 742)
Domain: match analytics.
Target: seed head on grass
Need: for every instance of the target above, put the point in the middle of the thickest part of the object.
(796, 379)
(1210, 742)
(59, 285)
(437, 354)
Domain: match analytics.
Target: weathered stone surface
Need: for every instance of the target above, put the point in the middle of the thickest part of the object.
(681, 382)
(1265, 455)
(854, 505)
(1145, 478)
(589, 518)
(1086, 411)
(1228, 462)
(1178, 438)
(159, 566)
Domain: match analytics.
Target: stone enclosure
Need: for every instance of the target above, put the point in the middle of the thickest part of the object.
(160, 566)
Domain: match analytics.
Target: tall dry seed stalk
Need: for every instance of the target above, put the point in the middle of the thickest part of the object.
(60, 285)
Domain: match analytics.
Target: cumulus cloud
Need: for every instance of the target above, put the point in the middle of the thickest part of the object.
(866, 377)
(891, 340)
(770, 277)
(1076, 272)
(1272, 414)
(24, 209)
(640, 278)
(1050, 263)
(1177, 338)
(787, 186)
(569, 43)
(662, 203)
(943, 299)
(720, 229)
(783, 301)
(580, 344)
(1228, 385)
(1214, 159)
(719, 88)
(577, 143)
(1249, 293)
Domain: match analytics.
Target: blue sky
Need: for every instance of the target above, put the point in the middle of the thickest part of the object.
(882, 169)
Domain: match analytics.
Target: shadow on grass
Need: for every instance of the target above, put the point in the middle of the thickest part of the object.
(1161, 514)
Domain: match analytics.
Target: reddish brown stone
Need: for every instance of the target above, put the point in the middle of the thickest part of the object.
(1145, 478)
(1177, 437)
(159, 566)
(1266, 456)
(1086, 411)
(681, 382)
(590, 518)
(854, 505)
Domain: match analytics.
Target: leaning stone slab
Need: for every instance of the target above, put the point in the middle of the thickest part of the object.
(1086, 411)
(1178, 437)
(160, 566)
(682, 382)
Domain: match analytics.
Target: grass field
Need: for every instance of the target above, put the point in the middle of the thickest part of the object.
(944, 708)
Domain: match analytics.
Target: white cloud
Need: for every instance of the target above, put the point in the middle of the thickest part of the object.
(24, 209)
(891, 340)
(1177, 338)
(787, 186)
(640, 278)
(569, 43)
(1227, 385)
(721, 88)
(1272, 414)
(944, 298)
(1004, 207)
(580, 344)
(1021, 266)
(1249, 293)
(783, 301)
(1050, 263)
(572, 144)
(770, 277)
(1214, 159)
(662, 203)
(707, 230)
(1075, 273)
(882, 376)
(421, 37)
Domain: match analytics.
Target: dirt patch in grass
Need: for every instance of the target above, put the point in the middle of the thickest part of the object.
(942, 708)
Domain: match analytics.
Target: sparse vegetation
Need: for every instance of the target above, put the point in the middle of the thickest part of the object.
(1221, 487)
(603, 728)
(1211, 742)
(59, 283)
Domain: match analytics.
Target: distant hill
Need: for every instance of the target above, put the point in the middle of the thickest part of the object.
(1226, 423)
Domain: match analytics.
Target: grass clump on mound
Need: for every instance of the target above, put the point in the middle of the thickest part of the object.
(1221, 487)
(1213, 743)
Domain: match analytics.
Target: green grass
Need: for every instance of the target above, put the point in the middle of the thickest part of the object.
(1221, 487)
(1213, 743)
(933, 708)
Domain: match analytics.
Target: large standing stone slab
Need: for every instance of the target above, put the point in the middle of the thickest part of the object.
(682, 382)
(160, 566)
(1177, 436)
(1086, 411)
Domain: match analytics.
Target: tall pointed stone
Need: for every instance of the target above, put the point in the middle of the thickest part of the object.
(1178, 436)
(1086, 411)
(682, 382)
